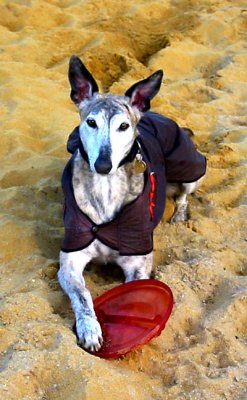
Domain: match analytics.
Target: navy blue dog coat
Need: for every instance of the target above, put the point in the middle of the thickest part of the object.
(170, 156)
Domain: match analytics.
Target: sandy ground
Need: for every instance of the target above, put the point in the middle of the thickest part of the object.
(201, 45)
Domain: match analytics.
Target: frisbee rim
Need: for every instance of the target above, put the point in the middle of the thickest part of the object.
(146, 336)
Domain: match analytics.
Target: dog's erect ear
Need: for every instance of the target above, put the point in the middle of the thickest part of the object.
(143, 91)
(82, 82)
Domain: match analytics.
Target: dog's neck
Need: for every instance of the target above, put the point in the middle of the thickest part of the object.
(101, 197)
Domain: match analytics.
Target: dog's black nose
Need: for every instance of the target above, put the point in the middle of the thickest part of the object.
(102, 166)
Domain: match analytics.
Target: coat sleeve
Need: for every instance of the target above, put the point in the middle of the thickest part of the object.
(73, 141)
(183, 162)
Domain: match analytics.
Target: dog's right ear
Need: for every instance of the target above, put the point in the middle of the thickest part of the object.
(83, 85)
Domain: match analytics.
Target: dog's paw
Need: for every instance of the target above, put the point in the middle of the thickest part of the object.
(180, 215)
(89, 333)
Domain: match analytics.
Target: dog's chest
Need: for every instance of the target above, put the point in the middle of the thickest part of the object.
(101, 197)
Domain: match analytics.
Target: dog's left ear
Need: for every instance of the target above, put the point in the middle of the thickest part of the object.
(83, 85)
(143, 91)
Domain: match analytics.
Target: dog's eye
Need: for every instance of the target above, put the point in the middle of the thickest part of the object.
(123, 126)
(92, 123)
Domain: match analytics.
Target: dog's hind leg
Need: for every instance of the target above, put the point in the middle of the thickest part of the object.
(71, 279)
(181, 211)
(182, 190)
(136, 267)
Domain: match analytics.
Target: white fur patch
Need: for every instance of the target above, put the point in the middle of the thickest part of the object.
(107, 135)
(94, 138)
(121, 141)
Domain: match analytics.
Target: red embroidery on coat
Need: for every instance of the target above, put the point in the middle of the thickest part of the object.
(152, 194)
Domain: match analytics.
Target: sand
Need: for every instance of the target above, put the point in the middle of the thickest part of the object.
(201, 45)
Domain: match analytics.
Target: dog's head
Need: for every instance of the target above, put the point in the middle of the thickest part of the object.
(108, 122)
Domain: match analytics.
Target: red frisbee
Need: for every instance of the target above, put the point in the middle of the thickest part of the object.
(131, 314)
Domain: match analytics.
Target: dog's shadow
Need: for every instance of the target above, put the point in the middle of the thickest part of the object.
(48, 212)
(101, 277)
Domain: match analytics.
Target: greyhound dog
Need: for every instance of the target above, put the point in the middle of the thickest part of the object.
(111, 189)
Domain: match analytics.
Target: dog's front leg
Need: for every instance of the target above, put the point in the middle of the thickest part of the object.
(71, 279)
(136, 267)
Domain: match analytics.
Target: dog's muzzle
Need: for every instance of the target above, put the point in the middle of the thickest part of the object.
(103, 163)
